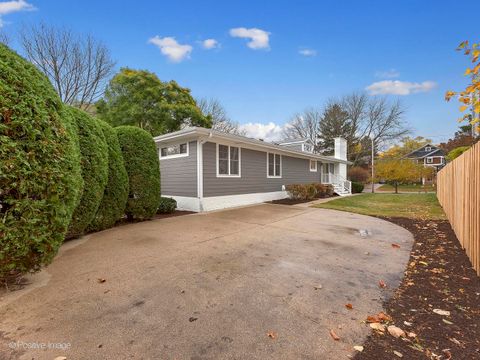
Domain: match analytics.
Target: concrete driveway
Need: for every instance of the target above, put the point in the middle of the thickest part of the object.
(210, 286)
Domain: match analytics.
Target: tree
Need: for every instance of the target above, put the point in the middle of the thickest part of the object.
(397, 171)
(4, 39)
(335, 122)
(77, 66)
(453, 154)
(406, 146)
(462, 137)
(40, 178)
(304, 125)
(470, 97)
(139, 98)
(220, 121)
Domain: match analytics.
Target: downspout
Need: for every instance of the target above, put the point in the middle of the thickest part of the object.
(200, 143)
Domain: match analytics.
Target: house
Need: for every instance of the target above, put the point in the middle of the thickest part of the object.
(302, 144)
(428, 155)
(205, 169)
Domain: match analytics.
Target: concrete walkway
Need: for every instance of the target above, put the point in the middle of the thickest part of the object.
(210, 286)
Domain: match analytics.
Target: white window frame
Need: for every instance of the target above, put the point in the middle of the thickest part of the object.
(274, 163)
(239, 162)
(310, 165)
(428, 148)
(176, 155)
(429, 160)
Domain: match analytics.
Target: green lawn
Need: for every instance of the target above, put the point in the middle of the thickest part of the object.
(421, 206)
(407, 188)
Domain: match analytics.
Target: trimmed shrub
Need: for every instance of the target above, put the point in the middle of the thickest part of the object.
(357, 187)
(453, 154)
(94, 163)
(112, 206)
(304, 191)
(358, 174)
(143, 168)
(39, 168)
(167, 205)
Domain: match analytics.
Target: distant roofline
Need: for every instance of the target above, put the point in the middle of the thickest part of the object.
(215, 134)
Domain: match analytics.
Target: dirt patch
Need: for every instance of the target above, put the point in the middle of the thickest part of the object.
(439, 276)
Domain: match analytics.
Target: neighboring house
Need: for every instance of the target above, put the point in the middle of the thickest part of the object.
(205, 169)
(428, 155)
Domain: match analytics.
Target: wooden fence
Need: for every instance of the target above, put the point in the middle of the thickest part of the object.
(458, 190)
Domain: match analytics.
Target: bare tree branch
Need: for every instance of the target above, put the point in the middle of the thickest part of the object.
(220, 119)
(77, 66)
(304, 125)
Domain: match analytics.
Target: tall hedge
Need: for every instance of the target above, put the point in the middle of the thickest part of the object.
(141, 161)
(115, 195)
(39, 168)
(94, 163)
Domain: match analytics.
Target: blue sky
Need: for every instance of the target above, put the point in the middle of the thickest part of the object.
(301, 53)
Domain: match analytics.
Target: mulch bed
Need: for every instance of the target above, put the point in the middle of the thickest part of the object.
(439, 276)
(289, 201)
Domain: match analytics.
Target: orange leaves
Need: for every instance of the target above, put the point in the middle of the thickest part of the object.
(378, 318)
(349, 306)
(334, 335)
(272, 335)
(382, 284)
(395, 246)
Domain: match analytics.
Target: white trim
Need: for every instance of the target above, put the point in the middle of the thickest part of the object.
(429, 160)
(186, 202)
(223, 202)
(243, 142)
(200, 169)
(274, 163)
(239, 162)
(428, 148)
(310, 165)
(176, 155)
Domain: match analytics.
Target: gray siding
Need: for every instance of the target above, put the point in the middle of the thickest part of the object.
(179, 175)
(253, 173)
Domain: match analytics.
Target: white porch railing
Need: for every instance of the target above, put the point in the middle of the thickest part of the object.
(335, 179)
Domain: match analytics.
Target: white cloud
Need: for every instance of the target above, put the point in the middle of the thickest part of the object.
(389, 74)
(397, 87)
(9, 7)
(171, 48)
(267, 132)
(307, 52)
(210, 44)
(258, 38)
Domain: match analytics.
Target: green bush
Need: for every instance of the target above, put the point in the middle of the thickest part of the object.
(357, 187)
(115, 196)
(167, 205)
(453, 154)
(39, 168)
(141, 161)
(94, 163)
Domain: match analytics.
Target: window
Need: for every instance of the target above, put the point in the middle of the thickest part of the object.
(228, 161)
(429, 160)
(428, 148)
(313, 165)
(274, 165)
(176, 150)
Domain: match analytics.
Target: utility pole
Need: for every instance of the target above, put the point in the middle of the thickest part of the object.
(373, 172)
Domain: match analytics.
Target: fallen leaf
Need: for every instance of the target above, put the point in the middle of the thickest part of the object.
(407, 323)
(447, 353)
(101, 280)
(399, 354)
(447, 322)
(411, 334)
(349, 306)
(334, 336)
(358, 348)
(395, 246)
(395, 331)
(441, 312)
(377, 326)
(382, 284)
(455, 341)
(272, 334)
(423, 263)
(192, 319)
(318, 287)
(60, 358)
